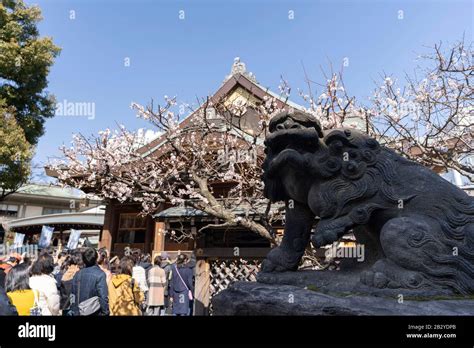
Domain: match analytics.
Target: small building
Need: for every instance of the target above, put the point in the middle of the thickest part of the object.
(89, 222)
(34, 205)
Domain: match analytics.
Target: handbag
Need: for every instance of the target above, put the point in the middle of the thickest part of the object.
(36, 310)
(190, 294)
(89, 306)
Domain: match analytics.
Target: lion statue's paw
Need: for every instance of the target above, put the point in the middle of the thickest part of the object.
(278, 260)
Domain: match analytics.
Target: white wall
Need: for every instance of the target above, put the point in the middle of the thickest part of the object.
(33, 210)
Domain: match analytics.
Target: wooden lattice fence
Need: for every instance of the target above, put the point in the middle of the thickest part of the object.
(225, 272)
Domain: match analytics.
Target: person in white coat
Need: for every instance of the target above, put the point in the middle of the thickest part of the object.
(138, 272)
(44, 283)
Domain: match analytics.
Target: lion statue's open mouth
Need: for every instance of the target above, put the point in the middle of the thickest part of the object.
(299, 131)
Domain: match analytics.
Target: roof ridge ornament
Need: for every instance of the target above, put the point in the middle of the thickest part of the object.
(239, 67)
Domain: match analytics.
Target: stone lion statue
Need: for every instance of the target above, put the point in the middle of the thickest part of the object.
(418, 229)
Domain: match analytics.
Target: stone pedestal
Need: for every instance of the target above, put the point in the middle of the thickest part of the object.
(330, 293)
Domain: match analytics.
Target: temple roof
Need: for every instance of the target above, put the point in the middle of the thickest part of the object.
(92, 219)
(238, 81)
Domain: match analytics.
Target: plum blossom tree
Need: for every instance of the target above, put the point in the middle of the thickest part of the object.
(209, 162)
(428, 118)
(431, 118)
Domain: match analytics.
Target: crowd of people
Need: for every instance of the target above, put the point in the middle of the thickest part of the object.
(87, 281)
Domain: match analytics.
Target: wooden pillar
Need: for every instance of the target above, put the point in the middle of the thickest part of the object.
(159, 237)
(149, 234)
(106, 235)
(202, 290)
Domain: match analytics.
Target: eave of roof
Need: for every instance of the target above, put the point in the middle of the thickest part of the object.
(189, 212)
(49, 191)
(96, 219)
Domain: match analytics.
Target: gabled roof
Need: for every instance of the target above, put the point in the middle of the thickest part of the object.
(49, 191)
(231, 84)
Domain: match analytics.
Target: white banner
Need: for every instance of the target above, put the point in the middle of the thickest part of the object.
(73, 239)
(18, 241)
(45, 238)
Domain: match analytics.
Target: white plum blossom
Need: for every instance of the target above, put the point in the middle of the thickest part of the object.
(184, 169)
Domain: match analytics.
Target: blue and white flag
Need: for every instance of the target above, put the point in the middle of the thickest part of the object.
(18, 241)
(73, 239)
(45, 238)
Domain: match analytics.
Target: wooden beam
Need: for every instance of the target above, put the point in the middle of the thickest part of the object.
(106, 235)
(202, 291)
(159, 237)
(232, 253)
(149, 235)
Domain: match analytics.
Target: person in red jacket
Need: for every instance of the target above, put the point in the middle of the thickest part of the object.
(13, 260)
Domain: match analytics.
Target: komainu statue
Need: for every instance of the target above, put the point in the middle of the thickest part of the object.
(417, 228)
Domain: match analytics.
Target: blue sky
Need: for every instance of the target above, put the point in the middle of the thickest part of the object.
(189, 58)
